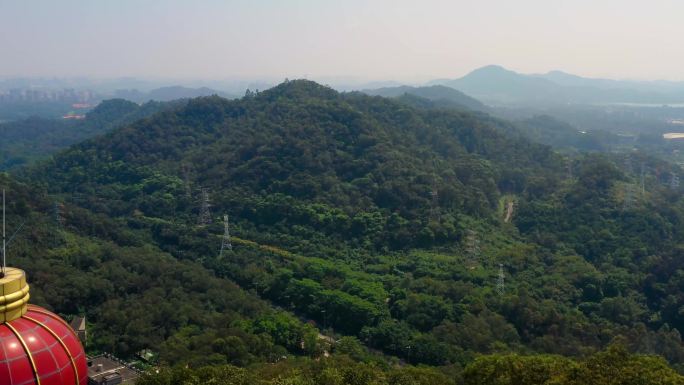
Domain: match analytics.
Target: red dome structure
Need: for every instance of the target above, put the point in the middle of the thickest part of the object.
(37, 347)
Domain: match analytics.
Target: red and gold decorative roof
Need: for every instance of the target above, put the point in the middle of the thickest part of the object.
(36, 346)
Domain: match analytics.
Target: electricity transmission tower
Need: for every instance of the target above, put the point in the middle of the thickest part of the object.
(674, 181)
(628, 198)
(630, 190)
(58, 212)
(629, 170)
(472, 247)
(434, 208)
(568, 168)
(186, 180)
(205, 213)
(500, 284)
(642, 181)
(225, 243)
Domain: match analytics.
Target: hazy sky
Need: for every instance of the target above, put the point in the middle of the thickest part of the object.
(374, 39)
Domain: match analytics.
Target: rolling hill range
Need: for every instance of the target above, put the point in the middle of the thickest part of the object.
(36, 138)
(440, 96)
(168, 93)
(380, 223)
(346, 151)
(499, 86)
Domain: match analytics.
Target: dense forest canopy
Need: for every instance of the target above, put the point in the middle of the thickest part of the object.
(408, 235)
(438, 96)
(35, 138)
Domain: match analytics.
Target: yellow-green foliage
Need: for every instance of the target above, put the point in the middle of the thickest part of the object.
(614, 366)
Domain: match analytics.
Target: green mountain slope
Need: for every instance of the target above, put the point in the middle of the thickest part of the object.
(386, 222)
(369, 163)
(440, 96)
(133, 294)
(34, 138)
(553, 132)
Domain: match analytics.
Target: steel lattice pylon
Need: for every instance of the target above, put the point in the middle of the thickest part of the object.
(225, 243)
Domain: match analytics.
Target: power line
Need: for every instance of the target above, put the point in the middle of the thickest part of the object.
(674, 181)
(500, 284)
(16, 232)
(58, 212)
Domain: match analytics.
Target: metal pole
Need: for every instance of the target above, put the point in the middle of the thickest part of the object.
(4, 243)
(500, 288)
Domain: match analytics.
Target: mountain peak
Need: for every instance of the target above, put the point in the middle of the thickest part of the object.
(110, 108)
(491, 69)
(559, 72)
(299, 88)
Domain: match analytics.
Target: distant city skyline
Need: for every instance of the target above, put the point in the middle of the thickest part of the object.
(351, 41)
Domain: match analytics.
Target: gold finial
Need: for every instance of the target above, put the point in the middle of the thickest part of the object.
(14, 295)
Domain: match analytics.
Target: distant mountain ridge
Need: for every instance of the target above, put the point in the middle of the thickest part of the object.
(442, 96)
(498, 85)
(165, 94)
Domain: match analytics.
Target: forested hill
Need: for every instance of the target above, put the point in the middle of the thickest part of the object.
(368, 159)
(35, 138)
(439, 96)
(134, 294)
(392, 224)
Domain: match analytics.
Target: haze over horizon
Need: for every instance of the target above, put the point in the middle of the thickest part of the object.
(356, 40)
